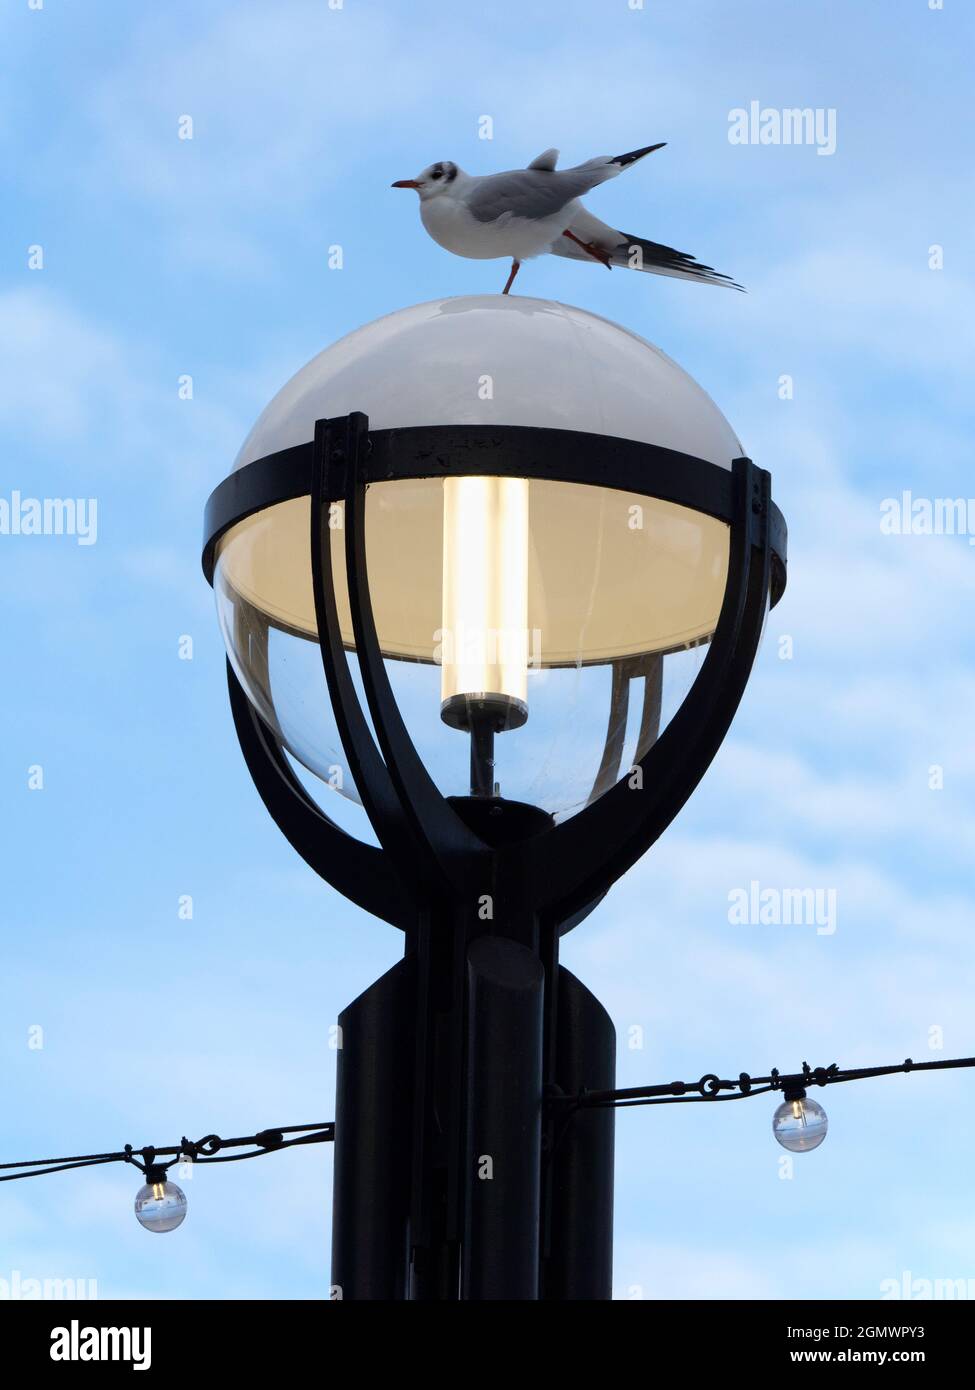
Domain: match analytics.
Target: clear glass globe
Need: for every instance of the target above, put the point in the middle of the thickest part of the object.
(800, 1125)
(160, 1206)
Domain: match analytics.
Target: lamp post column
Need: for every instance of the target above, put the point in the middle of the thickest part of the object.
(503, 1149)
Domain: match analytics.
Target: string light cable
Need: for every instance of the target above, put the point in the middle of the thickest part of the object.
(799, 1124)
(159, 1204)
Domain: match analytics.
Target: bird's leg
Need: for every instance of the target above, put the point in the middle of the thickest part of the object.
(515, 267)
(595, 251)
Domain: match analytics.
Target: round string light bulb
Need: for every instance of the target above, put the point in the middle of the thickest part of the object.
(800, 1124)
(159, 1204)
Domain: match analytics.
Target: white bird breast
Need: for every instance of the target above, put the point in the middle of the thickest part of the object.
(450, 224)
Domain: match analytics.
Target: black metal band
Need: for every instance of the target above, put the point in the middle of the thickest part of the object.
(519, 451)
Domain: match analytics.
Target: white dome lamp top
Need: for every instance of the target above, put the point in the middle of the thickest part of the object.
(492, 360)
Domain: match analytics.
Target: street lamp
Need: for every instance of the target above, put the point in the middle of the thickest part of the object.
(496, 569)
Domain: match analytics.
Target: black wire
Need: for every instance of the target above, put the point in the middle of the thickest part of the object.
(324, 1133)
(259, 1153)
(629, 1104)
(669, 1093)
(36, 1172)
(710, 1086)
(70, 1158)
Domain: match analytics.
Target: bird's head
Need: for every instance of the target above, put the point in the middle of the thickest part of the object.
(435, 180)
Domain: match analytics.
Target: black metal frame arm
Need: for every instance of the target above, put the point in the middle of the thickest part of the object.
(359, 871)
(429, 846)
(584, 855)
(417, 825)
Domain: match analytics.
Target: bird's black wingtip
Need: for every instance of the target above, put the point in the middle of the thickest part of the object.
(666, 260)
(623, 160)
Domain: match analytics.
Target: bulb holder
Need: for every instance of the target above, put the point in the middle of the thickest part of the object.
(793, 1092)
(497, 712)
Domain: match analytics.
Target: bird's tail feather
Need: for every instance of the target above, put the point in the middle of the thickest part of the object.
(634, 252)
(637, 253)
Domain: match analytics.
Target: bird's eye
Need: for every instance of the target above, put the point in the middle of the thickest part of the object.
(436, 173)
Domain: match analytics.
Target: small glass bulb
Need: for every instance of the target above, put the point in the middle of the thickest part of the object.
(800, 1124)
(160, 1206)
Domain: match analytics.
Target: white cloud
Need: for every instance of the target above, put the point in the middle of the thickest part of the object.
(57, 367)
(796, 1265)
(273, 95)
(661, 953)
(646, 1269)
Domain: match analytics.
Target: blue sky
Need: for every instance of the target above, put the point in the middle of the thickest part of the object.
(209, 257)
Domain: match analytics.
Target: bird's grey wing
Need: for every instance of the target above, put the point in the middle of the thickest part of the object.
(541, 190)
(531, 193)
(634, 252)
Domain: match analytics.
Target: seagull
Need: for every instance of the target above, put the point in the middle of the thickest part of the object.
(526, 212)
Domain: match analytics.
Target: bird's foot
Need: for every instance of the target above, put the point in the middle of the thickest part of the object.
(591, 249)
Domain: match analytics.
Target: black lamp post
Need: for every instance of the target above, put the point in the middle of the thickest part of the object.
(503, 545)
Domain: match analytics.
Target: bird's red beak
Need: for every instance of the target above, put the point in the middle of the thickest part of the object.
(405, 183)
